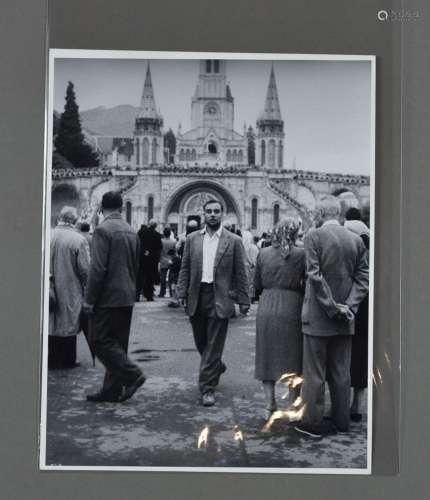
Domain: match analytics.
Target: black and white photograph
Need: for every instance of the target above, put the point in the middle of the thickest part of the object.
(208, 262)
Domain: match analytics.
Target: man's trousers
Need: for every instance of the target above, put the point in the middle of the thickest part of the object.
(209, 335)
(327, 358)
(110, 331)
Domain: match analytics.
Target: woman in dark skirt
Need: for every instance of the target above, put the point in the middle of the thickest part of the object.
(359, 351)
(279, 278)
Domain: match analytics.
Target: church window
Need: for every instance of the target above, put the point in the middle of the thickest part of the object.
(280, 154)
(208, 66)
(182, 155)
(128, 212)
(240, 156)
(193, 155)
(263, 153)
(212, 148)
(276, 213)
(234, 155)
(154, 150)
(272, 153)
(254, 210)
(145, 151)
(137, 152)
(150, 207)
(216, 66)
(228, 155)
(188, 155)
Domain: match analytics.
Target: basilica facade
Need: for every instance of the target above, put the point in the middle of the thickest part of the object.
(211, 161)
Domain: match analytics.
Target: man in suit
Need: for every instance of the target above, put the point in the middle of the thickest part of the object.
(151, 248)
(109, 301)
(212, 274)
(337, 281)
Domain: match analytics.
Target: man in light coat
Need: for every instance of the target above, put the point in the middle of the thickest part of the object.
(212, 276)
(68, 275)
(337, 281)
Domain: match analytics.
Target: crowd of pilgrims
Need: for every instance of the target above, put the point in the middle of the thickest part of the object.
(276, 265)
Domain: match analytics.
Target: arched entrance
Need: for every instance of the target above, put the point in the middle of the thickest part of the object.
(187, 203)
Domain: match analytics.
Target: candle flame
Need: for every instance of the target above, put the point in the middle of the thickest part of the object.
(238, 436)
(294, 413)
(203, 438)
(296, 381)
(286, 376)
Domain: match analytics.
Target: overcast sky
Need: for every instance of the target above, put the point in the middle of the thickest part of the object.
(325, 105)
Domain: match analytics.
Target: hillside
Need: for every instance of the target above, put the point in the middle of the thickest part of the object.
(117, 121)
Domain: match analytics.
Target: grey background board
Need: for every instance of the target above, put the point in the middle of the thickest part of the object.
(248, 26)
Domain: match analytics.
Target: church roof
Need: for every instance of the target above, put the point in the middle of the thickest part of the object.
(272, 110)
(147, 102)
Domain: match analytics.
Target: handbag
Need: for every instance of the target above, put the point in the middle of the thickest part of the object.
(52, 295)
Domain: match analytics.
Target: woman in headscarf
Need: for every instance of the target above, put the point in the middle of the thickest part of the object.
(279, 277)
(251, 252)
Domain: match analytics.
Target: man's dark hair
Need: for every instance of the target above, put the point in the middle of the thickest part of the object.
(209, 202)
(85, 227)
(166, 232)
(171, 251)
(353, 214)
(112, 200)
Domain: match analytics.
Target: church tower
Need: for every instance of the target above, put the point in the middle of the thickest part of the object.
(212, 105)
(212, 140)
(148, 134)
(270, 129)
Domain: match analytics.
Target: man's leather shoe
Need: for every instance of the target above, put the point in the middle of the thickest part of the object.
(132, 388)
(101, 397)
(208, 399)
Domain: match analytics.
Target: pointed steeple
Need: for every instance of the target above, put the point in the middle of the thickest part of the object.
(147, 102)
(272, 110)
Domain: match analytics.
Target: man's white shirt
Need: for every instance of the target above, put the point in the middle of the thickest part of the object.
(210, 246)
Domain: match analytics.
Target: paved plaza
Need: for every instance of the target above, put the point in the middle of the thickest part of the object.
(160, 426)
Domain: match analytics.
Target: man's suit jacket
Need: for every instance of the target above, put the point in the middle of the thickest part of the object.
(230, 278)
(337, 273)
(114, 264)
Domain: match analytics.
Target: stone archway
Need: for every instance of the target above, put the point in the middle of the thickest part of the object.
(188, 201)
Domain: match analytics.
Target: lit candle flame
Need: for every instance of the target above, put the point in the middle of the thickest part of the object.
(286, 376)
(203, 438)
(297, 402)
(296, 381)
(238, 436)
(293, 414)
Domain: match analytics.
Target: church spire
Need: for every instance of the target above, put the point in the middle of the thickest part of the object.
(272, 110)
(147, 102)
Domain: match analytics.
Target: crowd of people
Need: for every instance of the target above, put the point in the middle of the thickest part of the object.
(311, 288)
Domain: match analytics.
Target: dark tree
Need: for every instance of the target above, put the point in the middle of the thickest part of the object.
(69, 141)
(251, 145)
(170, 144)
(56, 123)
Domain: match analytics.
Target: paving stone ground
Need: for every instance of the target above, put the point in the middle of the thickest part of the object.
(161, 424)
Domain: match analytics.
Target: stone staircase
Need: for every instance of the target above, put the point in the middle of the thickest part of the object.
(280, 190)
